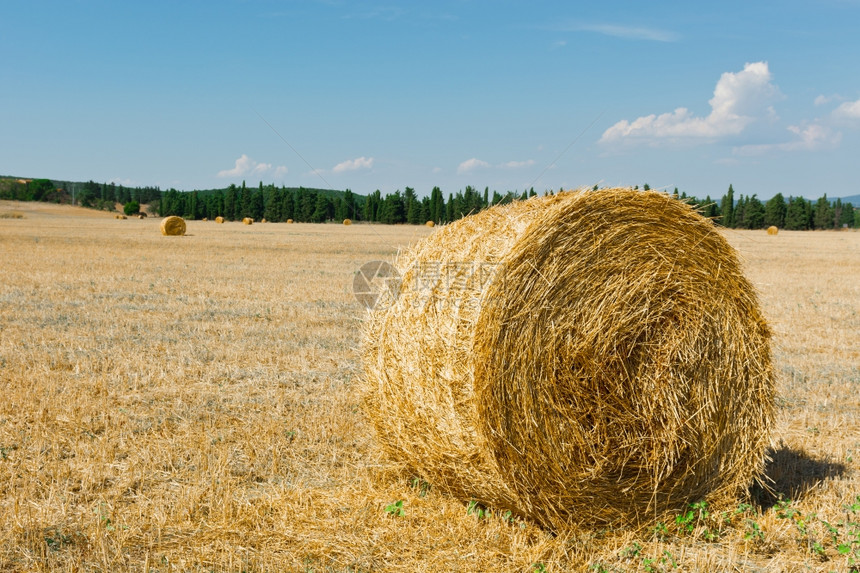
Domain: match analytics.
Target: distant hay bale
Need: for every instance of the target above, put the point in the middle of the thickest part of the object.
(430, 224)
(772, 230)
(290, 221)
(247, 221)
(219, 219)
(120, 216)
(589, 358)
(347, 221)
(263, 220)
(204, 219)
(173, 226)
(141, 216)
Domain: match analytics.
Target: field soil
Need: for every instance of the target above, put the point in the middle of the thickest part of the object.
(189, 404)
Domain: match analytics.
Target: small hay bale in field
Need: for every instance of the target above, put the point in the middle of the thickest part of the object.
(247, 221)
(219, 219)
(173, 225)
(430, 224)
(584, 359)
(290, 221)
(141, 216)
(772, 230)
(205, 219)
(120, 216)
(347, 221)
(263, 220)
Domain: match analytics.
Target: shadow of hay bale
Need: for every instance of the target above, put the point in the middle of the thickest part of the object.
(791, 473)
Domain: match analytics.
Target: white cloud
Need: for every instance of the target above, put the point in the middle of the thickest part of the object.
(808, 138)
(471, 164)
(739, 99)
(848, 110)
(822, 100)
(627, 32)
(354, 164)
(245, 165)
(517, 164)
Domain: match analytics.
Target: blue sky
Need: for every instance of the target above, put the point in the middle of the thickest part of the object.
(384, 95)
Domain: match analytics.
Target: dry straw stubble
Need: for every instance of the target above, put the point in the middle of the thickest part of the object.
(586, 358)
(173, 226)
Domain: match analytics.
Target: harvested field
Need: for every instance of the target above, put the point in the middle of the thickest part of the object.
(192, 406)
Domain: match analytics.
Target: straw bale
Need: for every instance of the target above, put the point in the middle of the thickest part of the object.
(173, 225)
(263, 220)
(205, 219)
(120, 216)
(589, 358)
(290, 221)
(247, 221)
(141, 216)
(219, 219)
(772, 230)
(430, 224)
(347, 221)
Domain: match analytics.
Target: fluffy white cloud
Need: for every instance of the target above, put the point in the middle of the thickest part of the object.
(848, 110)
(245, 165)
(471, 164)
(808, 138)
(353, 164)
(739, 99)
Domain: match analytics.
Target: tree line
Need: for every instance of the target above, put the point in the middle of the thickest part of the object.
(102, 196)
(279, 204)
(306, 205)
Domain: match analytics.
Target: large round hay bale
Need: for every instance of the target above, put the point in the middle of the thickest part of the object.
(247, 221)
(219, 219)
(772, 230)
(173, 225)
(430, 224)
(290, 221)
(592, 358)
(347, 221)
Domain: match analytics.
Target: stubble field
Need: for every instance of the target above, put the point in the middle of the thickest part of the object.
(189, 404)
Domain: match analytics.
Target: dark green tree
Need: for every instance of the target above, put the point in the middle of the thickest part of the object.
(727, 209)
(823, 214)
(131, 208)
(774, 211)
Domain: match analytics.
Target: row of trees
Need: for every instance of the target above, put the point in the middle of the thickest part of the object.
(319, 205)
(89, 194)
(795, 213)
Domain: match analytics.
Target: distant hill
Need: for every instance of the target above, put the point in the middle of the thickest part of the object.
(853, 199)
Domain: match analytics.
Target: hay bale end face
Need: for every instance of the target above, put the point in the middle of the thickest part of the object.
(290, 221)
(430, 224)
(173, 226)
(141, 216)
(584, 359)
(247, 221)
(772, 230)
(219, 219)
(347, 221)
